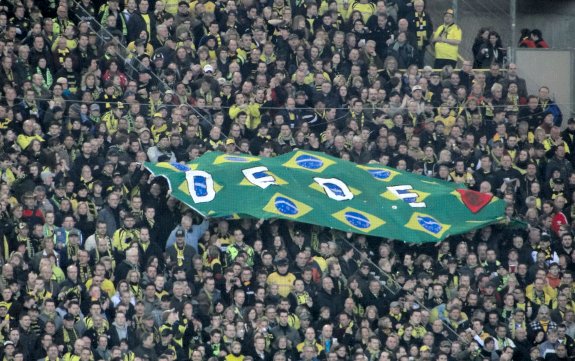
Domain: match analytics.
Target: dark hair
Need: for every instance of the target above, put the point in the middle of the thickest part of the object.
(537, 33)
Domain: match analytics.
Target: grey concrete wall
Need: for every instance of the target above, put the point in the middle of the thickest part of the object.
(555, 18)
(553, 68)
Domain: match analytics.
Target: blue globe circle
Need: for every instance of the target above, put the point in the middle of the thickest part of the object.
(429, 224)
(236, 159)
(357, 220)
(285, 206)
(379, 173)
(309, 162)
(180, 167)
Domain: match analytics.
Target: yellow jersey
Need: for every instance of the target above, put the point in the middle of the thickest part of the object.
(285, 282)
(444, 50)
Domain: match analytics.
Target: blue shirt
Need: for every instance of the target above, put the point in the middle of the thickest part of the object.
(192, 235)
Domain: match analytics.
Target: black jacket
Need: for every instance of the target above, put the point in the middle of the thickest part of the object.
(137, 23)
(115, 338)
(332, 301)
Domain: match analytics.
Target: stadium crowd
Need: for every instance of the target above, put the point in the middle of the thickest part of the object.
(100, 263)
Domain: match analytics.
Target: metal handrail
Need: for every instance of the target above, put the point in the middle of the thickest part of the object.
(398, 287)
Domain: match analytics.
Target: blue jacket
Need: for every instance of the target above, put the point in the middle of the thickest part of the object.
(192, 235)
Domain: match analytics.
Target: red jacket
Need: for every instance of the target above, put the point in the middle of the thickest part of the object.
(558, 220)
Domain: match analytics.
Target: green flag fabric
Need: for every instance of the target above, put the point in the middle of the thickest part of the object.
(318, 189)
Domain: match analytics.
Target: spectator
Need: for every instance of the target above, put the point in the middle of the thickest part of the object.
(447, 38)
(491, 51)
(94, 90)
(405, 54)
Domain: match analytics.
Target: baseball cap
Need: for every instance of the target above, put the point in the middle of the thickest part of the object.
(230, 141)
(180, 233)
(417, 87)
(94, 107)
(282, 262)
(208, 68)
(450, 12)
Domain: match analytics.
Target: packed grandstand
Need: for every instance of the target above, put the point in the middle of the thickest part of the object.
(99, 262)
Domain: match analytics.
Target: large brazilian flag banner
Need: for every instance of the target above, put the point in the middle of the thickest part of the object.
(318, 189)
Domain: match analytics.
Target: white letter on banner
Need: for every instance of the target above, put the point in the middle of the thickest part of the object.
(402, 192)
(259, 176)
(201, 186)
(335, 189)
